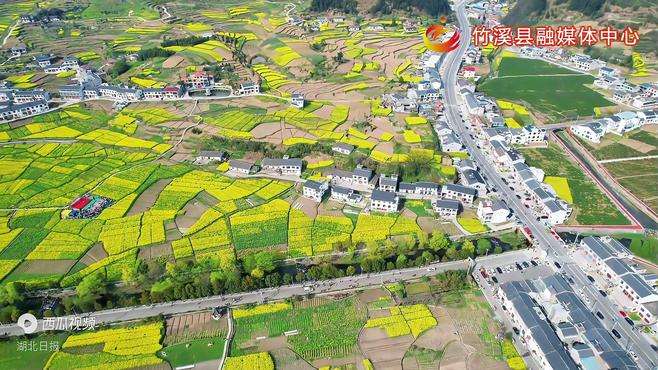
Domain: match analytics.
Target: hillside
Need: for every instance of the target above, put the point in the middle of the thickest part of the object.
(429, 7)
(638, 13)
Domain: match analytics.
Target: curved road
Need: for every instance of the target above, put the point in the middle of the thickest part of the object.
(556, 249)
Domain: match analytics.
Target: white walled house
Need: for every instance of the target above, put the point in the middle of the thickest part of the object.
(384, 201)
(283, 166)
(240, 166)
(450, 143)
(16, 111)
(493, 212)
(458, 192)
(388, 183)
(445, 208)
(592, 131)
(346, 195)
(315, 190)
(207, 156)
(342, 148)
(297, 101)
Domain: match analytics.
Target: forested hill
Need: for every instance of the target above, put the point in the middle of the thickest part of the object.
(533, 11)
(430, 7)
(347, 6)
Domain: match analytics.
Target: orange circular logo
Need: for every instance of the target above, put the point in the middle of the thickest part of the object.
(433, 35)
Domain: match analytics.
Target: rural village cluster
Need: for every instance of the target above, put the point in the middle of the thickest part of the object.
(292, 188)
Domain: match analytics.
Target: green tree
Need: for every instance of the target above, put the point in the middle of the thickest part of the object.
(439, 241)
(483, 246)
(452, 253)
(91, 285)
(468, 249)
(11, 293)
(401, 261)
(266, 261)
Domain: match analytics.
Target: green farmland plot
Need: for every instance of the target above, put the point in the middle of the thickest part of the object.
(548, 89)
(193, 352)
(639, 177)
(327, 330)
(591, 206)
(108, 9)
(529, 67)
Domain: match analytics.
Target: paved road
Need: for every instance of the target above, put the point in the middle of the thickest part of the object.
(271, 294)
(555, 249)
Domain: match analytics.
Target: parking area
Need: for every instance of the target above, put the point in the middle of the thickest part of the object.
(530, 267)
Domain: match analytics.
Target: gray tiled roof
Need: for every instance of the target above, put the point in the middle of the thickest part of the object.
(638, 284)
(447, 204)
(363, 172)
(618, 266)
(387, 181)
(597, 247)
(472, 177)
(244, 165)
(343, 146)
(276, 162)
(341, 190)
(426, 185)
(317, 186)
(407, 186)
(384, 196)
(460, 189)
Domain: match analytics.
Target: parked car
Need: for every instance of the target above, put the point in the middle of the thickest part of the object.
(629, 321)
(590, 278)
(599, 315)
(603, 293)
(534, 263)
(494, 279)
(557, 264)
(500, 271)
(616, 333)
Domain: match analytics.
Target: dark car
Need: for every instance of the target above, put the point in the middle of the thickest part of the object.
(629, 321)
(603, 293)
(557, 264)
(500, 271)
(495, 279)
(516, 330)
(570, 280)
(590, 278)
(534, 263)
(599, 315)
(525, 264)
(518, 267)
(616, 333)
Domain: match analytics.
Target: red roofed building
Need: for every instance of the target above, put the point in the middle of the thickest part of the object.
(80, 203)
(171, 92)
(468, 72)
(199, 80)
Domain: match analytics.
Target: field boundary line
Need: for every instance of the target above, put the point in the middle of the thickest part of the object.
(627, 159)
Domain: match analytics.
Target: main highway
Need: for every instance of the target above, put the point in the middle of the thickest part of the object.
(555, 249)
(344, 284)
